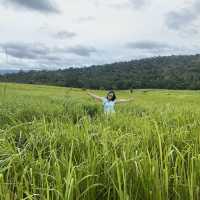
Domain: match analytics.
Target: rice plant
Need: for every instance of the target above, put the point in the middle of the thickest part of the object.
(57, 144)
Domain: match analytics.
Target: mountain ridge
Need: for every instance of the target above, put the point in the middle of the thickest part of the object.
(162, 72)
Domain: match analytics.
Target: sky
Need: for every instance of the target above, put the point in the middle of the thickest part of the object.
(57, 34)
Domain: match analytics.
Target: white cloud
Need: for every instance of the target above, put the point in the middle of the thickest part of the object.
(95, 31)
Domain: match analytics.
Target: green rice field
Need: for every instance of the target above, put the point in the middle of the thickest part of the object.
(57, 144)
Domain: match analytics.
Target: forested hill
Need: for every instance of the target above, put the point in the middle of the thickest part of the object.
(170, 72)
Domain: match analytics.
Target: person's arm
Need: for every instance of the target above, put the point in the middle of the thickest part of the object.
(124, 100)
(95, 96)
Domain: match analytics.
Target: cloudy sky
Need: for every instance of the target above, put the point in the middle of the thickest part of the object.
(51, 34)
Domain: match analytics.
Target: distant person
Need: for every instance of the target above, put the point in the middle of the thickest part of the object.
(109, 101)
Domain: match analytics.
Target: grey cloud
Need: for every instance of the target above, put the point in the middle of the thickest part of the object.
(38, 52)
(39, 56)
(177, 20)
(64, 35)
(181, 19)
(25, 51)
(79, 50)
(52, 58)
(31, 56)
(44, 6)
(148, 45)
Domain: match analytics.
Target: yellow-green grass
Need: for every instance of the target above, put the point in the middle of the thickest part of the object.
(56, 143)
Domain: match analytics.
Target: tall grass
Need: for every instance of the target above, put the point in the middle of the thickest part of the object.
(56, 144)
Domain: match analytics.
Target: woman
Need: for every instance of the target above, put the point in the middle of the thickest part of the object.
(109, 101)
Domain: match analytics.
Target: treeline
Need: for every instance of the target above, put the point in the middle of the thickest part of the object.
(169, 72)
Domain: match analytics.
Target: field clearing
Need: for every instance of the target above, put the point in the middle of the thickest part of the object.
(57, 144)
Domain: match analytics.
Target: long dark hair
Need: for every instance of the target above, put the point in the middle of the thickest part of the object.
(113, 94)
